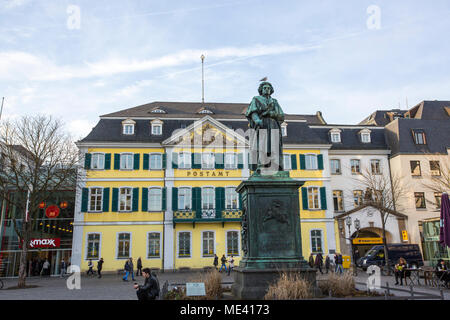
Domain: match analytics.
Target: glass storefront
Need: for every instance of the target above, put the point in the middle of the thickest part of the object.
(432, 250)
(51, 238)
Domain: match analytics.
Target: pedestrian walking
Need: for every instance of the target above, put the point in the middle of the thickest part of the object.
(311, 260)
(45, 268)
(63, 267)
(126, 268)
(327, 263)
(131, 269)
(139, 267)
(99, 267)
(319, 262)
(150, 289)
(230, 264)
(339, 262)
(216, 261)
(90, 266)
(224, 261)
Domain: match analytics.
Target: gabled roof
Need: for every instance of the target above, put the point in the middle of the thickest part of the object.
(347, 213)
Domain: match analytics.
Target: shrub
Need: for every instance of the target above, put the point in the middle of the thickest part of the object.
(290, 286)
(339, 285)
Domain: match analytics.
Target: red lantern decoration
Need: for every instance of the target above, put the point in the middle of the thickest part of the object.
(42, 205)
(52, 211)
(64, 205)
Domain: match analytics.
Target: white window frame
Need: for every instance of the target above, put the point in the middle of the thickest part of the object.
(131, 199)
(187, 156)
(365, 137)
(227, 195)
(101, 199)
(284, 129)
(238, 241)
(178, 244)
(319, 205)
(361, 198)
(125, 128)
(321, 240)
(213, 197)
(190, 198)
(130, 253)
(154, 127)
(87, 246)
(160, 199)
(127, 154)
(342, 201)
(228, 165)
(148, 245)
(372, 161)
(99, 156)
(208, 160)
(351, 166)
(150, 160)
(340, 167)
(311, 165)
(287, 161)
(214, 244)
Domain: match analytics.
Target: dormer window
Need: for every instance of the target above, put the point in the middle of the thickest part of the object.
(419, 136)
(365, 135)
(158, 110)
(128, 126)
(204, 110)
(156, 127)
(335, 135)
(284, 129)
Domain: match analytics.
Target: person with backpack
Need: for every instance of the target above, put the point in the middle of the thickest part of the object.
(216, 261)
(224, 261)
(319, 262)
(150, 289)
(327, 263)
(339, 262)
(90, 266)
(127, 269)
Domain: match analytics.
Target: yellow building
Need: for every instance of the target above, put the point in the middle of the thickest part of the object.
(159, 183)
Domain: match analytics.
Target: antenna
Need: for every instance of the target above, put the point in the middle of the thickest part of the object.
(407, 107)
(1, 110)
(203, 80)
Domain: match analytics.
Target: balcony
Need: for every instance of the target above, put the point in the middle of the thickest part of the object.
(207, 216)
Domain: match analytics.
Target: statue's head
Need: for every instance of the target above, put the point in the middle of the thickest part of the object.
(265, 88)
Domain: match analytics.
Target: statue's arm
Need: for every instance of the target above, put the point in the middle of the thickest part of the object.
(253, 113)
(277, 114)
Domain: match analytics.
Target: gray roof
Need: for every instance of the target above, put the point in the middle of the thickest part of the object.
(191, 109)
(350, 138)
(399, 136)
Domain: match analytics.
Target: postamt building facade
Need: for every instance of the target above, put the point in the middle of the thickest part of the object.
(159, 183)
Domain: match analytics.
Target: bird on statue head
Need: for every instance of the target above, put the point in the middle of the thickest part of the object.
(263, 79)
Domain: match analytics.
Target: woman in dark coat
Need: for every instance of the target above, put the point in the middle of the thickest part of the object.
(327, 263)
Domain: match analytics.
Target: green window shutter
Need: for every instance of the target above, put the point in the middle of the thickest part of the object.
(115, 200)
(240, 164)
(164, 199)
(305, 198)
(107, 161)
(220, 200)
(302, 162)
(87, 161)
(164, 161)
(293, 162)
(174, 199)
(197, 201)
(105, 199)
(218, 163)
(144, 199)
(174, 160)
(116, 161)
(145, 164)
(196, 160)
(84, 199)
(135, 205)
(320, 161)
(136, 161)
(323, 198)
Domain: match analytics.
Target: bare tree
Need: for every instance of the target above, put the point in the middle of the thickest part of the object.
(438, 179)
(383, 193)
(37, 158)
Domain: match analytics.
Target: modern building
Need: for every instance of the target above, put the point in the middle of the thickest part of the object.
(419, 139)
(159, 183)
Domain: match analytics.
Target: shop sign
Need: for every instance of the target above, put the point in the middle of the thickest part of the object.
(204, 173)
(368, 241)
(405, 235)
(44, 243)
(52, 211)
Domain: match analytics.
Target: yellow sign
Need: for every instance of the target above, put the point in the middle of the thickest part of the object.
(368, 241)
(405, 235)
(206, 174)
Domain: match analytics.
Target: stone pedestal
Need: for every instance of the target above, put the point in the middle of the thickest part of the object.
(271, 235)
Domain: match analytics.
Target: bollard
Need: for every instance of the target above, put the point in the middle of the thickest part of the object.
(388, 290)
(412, 291)
(442, 294)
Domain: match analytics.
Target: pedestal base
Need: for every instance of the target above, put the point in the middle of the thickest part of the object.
(252, 284)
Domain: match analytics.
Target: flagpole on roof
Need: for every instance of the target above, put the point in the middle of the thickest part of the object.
(203, 80)
(1, 110)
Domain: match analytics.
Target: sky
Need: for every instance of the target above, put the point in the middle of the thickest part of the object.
(77, 60)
